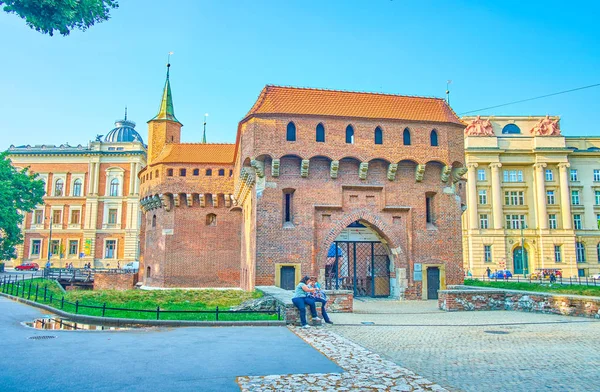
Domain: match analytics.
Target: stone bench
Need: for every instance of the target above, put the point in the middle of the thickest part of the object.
(338, 301)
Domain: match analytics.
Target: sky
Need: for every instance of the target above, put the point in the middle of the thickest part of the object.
(57, 90)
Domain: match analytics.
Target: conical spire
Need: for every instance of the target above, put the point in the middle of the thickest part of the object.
(166, 111)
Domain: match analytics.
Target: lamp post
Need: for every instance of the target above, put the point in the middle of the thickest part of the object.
(50, 240)
(525, 270)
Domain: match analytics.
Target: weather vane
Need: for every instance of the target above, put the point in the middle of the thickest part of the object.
(448, 91)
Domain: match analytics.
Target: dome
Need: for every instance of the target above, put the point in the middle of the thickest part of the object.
(123, 133)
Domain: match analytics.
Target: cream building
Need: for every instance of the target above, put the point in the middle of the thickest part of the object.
(530, 187)
(91, 210)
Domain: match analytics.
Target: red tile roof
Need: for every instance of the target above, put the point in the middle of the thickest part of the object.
(197, 153)
(295, 100)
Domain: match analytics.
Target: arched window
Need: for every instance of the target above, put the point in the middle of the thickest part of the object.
(148, 270)
(58, 187)
(196, 172)
(290, 135)
(156, 173)
(211, 220)
(433, 137)
(221, 172)
(406, 137)
(378, 136)
(114, 187)
(511, 129)
(209, 172)
(320, 133)
(153, 220)
(150, 175)
(349, 134)
(77, 187)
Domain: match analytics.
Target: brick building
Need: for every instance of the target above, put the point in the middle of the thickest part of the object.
(91, 208)
(360, 189)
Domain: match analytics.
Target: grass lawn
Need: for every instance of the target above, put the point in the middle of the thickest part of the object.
(143, 304)
(538, 287)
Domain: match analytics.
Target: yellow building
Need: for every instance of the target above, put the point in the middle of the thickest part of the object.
(530, 187)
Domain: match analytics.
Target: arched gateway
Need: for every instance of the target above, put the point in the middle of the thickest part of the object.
(357, 260)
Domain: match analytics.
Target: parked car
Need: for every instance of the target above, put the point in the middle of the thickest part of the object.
(596, 277)
(501, 274)
(132, 266)
(27, 267)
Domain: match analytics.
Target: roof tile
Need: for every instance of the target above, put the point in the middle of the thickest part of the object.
(197, 153)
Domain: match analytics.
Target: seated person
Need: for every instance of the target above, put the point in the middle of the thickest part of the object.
(301, 299)
(319, 296)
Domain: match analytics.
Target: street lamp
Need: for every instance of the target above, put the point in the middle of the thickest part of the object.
(49, 241)
(525, 269)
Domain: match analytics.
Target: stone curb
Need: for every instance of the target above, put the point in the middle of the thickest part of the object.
(462, 289)
(118, 322)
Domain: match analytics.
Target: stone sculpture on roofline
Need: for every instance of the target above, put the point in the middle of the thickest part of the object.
(546, 127)
(479, 127)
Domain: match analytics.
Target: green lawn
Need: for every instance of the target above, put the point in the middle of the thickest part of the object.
(538, 287)
(180, 300)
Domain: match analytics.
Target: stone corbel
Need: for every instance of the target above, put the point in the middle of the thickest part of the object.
(457, 173)
(333, 171)
(176, 199)
(446, 170)
(216, 201)
(391, 173)
(202, 200)
(419, 172)
(275, 167)
(227, 200)
(363, 170)
(259, 166)
(304, 168)
(190, 199)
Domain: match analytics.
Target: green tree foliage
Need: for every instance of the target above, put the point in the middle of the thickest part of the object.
(20, 193)
(46, 16)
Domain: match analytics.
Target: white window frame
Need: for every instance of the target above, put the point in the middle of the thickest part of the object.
(74, 177)
(55, 178)
(116, 250)
(56, 255)
(483, 221)
(481, 175)
(112, 173)
(58, 225)
(573, 176)
(552, 221)
(557, 254)
(575, 199)
(577, 222)
(69, 254)
(31, 255)
(75, 225)
(580, 255)
(34, 225)
(487, 253)
(596, 175)
(482, 196)
(549, 175)
(111, 205)
(550, 197)
(597, 197)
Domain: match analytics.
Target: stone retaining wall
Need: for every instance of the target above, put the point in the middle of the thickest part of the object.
(113, 281)
(465, 298)
(338, 301)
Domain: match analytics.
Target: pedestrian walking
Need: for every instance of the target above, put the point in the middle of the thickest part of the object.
(488, 271)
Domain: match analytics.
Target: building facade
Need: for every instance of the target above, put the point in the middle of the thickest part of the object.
(91, 209)
(359, 189)
(533, 197)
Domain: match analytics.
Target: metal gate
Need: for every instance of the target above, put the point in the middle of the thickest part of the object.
(363, 267)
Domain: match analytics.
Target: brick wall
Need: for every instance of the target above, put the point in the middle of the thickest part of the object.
(112, 281)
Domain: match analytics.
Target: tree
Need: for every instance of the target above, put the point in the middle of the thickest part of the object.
(20, 193)
(46, 16)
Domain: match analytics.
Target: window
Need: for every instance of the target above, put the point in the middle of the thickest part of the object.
(575, 198)
(38, 217)
(221, 172)
(481, 175)
(209, 172)
(597, 197)
(75, 216)
(196, 172)
(148, 272)
(406, 137)
(483, 197)
(58, 187)
(153, 220)
(182, 172)
(320, 133)
(549, 175)
(378, 136)
(36, 246)
(550, 197)
(577, 221)
(433, 138)
(487, 253)
(511, 129)
(77, 188)
(574, 176)
(349, 134)
(598, 251)
(56, 217)
(73, 247)
(150, 175)
(515, 222)
(598, 221)
(513, 175)
(55, 248)
(114, 187)
(557, 254)
(429, 209)
(514, 198)
(211, 220)
(110, 249)
(580, 252)
(290, 135)
(552, 221)
(169, 172)
(483, 221)
(230, 172)
(596, 175)
(156, 173)
(112, 216)
(288, 208)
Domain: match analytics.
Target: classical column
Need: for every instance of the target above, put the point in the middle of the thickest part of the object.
(565, 199)
(496, 195)
(92, 171)
(542, 218)
(131, 178)
(472, 195)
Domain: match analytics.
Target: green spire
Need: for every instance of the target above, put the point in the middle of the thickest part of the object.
(166, 111)
(204, 133)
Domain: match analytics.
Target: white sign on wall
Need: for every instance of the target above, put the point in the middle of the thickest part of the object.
(167, 232)
(357, 234)
(418, 272)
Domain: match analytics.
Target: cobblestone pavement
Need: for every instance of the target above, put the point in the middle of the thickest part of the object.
(479, 351)
(363, 370)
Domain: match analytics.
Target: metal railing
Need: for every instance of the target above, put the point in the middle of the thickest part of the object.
(18, 287)
(580, 280)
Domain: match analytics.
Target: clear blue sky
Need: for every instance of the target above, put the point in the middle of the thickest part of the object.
(68, 89)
